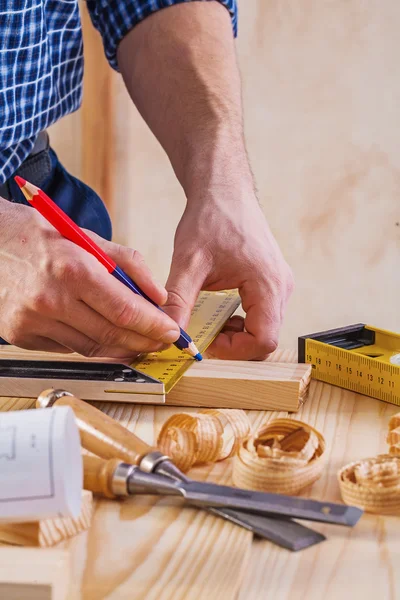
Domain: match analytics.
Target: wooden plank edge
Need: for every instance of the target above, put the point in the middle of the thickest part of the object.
(48, 532)
(32, 574)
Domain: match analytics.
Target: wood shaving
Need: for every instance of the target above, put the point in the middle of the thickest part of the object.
(372, 484)
(393, 437)
(208, 436)
(284, 456)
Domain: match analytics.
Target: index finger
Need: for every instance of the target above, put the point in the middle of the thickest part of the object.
(119, 305)
(262, 322)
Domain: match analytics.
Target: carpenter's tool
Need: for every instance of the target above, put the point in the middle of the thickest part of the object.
(360, 358)
(106, 438)
(114, 478)
(147, 380)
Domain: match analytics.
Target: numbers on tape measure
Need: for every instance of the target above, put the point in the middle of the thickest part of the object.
(354, 371)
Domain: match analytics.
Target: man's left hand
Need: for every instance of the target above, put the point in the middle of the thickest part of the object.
(223, 241)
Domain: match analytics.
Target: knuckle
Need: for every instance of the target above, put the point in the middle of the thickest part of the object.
(175, 298)
(127, 315)
(111, 336)
(135, 255)
(90, 349)
(69, 270)
(268, 346)
(128, 254)
(276, 280)
(18, 326)
(14, 337)
(43, 302)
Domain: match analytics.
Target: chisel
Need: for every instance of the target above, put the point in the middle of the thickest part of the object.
(100, 434)
(115, 478)
(106, 438)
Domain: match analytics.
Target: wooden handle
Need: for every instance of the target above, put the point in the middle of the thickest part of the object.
(100, 434)
(98, 475)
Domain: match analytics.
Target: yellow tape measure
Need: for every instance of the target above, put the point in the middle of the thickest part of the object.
(209, 315)
(360, 358)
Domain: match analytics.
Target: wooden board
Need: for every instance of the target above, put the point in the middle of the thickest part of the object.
(149, 549)
(211, 383)
(240, 384)
(32, 574)
(48, 532)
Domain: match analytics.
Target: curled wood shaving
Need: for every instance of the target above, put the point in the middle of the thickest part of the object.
(393, 437)
(208, 436)
(372, 484)
(394, 421)
(180, 445)
(236, 427)
(284, 456)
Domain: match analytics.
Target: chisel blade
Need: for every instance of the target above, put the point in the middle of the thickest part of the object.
(272, 504)
(281, 531)
(213, 495)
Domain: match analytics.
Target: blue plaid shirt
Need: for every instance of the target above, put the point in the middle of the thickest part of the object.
(41, 62)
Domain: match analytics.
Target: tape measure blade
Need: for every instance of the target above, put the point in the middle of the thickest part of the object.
(209, 315)
(353, 371)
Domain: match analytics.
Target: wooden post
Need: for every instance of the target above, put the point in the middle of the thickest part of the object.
(97, 115)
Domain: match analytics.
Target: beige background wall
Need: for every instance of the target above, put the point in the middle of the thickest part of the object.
(321, 88)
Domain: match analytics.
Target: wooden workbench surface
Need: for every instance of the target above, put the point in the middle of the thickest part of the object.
(152, 550)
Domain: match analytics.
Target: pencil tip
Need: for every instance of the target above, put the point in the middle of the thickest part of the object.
(198, 356)
(21, 182)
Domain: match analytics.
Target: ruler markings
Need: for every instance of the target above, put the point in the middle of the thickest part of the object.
(209, 315)
(353, 371)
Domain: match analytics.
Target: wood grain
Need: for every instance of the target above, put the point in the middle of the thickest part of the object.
(266, 385)
(240, 384)
(48, 532)
(151, 548)
(33, 574)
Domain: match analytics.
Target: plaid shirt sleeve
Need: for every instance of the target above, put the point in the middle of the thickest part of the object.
(115, 18)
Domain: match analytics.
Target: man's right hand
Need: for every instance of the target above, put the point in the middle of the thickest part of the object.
(56, 297)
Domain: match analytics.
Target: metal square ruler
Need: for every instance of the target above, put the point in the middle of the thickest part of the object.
(147, 380)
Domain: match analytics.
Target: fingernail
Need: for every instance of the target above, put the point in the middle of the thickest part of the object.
(171, 336)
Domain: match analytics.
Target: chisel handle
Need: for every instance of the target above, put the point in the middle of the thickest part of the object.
(98, 475)
(114, 478)
(100, 434)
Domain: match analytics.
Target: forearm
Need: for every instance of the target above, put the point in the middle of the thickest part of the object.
(180, 68)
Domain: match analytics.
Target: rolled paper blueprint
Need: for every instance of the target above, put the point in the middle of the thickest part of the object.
(41, 472)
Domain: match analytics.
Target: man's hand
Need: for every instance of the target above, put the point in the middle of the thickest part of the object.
(180, 68)
(221, 244)
(54, 296)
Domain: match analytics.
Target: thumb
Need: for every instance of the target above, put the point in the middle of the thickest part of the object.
(184, 284)
(132, 262)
